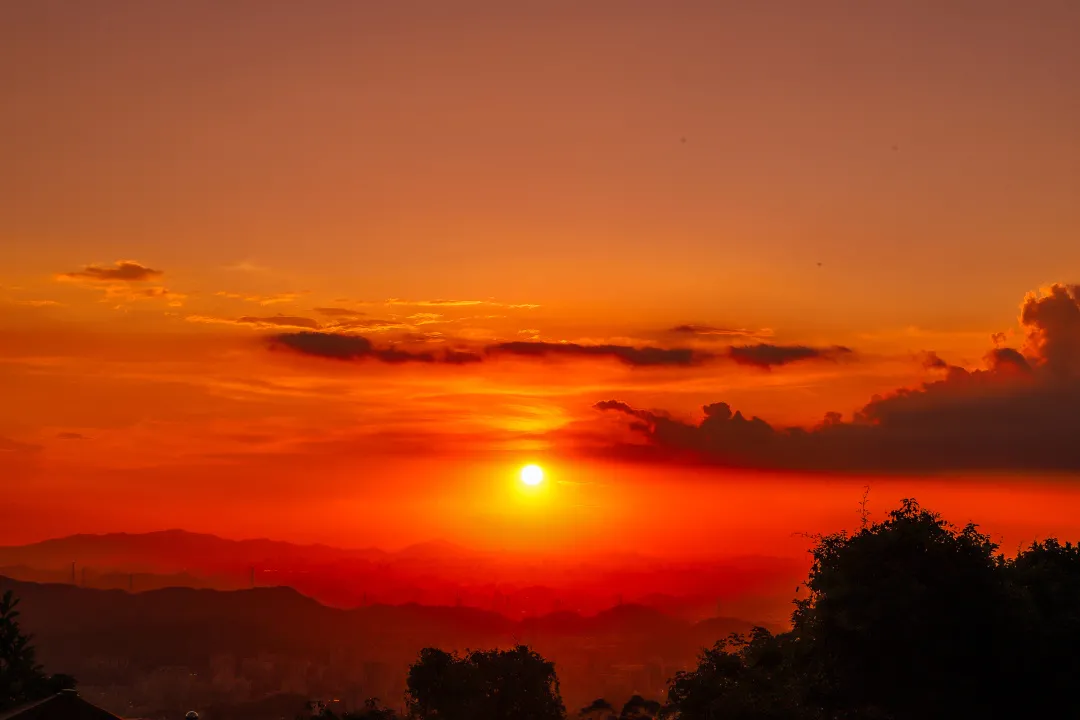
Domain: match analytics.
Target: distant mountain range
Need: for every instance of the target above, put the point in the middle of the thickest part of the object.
(433, 573)
(183, 645)
(171, 551)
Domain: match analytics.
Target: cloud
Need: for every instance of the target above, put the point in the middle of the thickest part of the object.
(1000, 359)
(762, 356)
(1018, 413)
(122, 270)
(275, 299)
(39, 303)
(280, 321)
(127, 293)
(248, 267)
(437, 302)
(273, 322)
(462, 357)
(1053, 324)
(70, 436)
(338, 312)
(326, 345)
(708, 332)
(931, 361)
(766, 356)
(335, 346)
(339, 325)
(633, 356)
(120, 282)
(620, 406)
(14, 447)
(443, 303)
(370, 324)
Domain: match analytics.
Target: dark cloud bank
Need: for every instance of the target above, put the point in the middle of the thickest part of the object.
(352, 347)
(762, 355)
(1020, 413)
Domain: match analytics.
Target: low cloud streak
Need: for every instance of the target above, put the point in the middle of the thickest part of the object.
(121, 271)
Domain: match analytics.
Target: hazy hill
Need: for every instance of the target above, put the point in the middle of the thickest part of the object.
(184, 646)
(434, 573)
(171, 551)
(187, 624)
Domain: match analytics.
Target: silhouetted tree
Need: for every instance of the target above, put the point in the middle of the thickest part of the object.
(372, 710)
(598, 709)
(911, 618)
(515, 684)
(638, 708)
(1046, 579)
(740, 678)
(21, 678)
(899, 616)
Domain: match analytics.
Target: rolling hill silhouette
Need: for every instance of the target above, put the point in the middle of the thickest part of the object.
(431, 573)
(130, 643)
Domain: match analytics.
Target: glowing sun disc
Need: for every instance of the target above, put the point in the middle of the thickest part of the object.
(532, 475)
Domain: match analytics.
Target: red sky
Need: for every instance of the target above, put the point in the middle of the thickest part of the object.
(487, 217)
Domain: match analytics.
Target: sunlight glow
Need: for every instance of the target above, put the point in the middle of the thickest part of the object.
(532, 474)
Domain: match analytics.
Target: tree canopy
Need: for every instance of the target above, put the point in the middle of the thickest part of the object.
(908, 618)
(372, 710)
(21, 678)
(516, 684)
(636, 708)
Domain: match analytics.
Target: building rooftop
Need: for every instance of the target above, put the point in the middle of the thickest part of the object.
(66, 705)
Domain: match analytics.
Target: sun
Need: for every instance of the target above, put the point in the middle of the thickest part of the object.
(532, 474)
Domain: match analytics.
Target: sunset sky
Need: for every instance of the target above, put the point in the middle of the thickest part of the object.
(335, 271)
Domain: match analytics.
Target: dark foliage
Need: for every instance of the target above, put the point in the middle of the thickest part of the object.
(598, 709)
(908, 618)
(21, 678)
(515, 684)
(636, 708)
(372, 710)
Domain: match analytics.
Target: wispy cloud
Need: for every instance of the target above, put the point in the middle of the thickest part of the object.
(272, 322)
(338, 312)
(440, 302)
(122, 270)
(710, 332)
(39, 303)
(248, 267)
(127, 293)
(274, 299)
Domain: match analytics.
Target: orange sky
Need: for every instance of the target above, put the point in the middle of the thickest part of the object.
(431, 175)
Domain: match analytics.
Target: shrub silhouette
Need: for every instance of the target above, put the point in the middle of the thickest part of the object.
(515, 684)
(908, 618)
(21, 678)
(638, 708)
(372, 710)
(598, 709)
